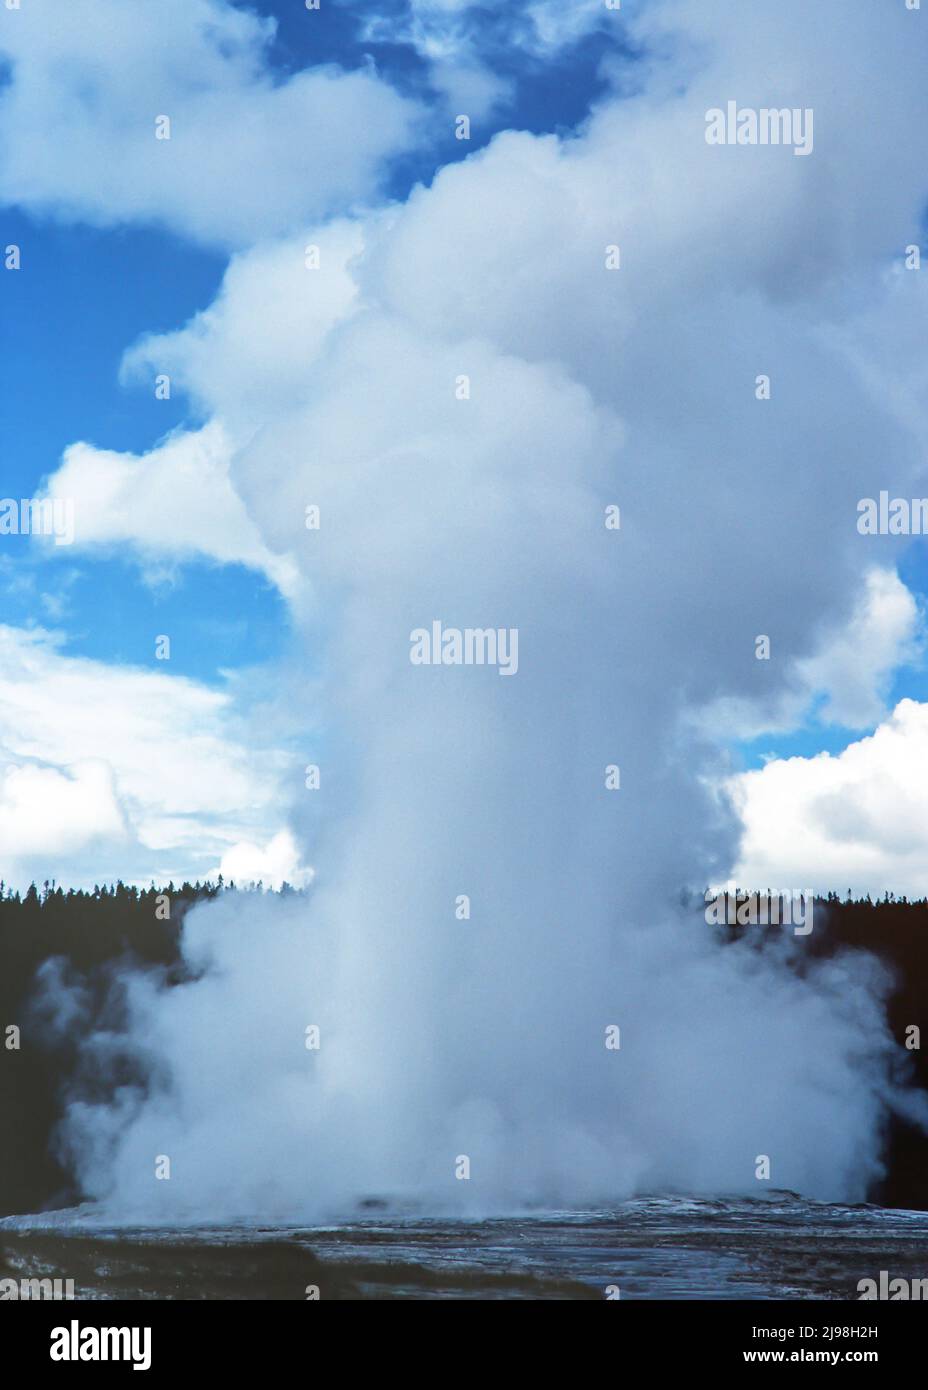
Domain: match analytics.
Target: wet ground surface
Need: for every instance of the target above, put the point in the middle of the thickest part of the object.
(779, 1247)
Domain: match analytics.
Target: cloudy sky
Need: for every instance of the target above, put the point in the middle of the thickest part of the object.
(337, 129)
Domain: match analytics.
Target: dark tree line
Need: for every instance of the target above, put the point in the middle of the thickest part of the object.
(89, 938)
(895, 930)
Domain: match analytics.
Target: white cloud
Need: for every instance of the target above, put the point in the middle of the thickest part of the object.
(114, 771)
(855, 667)
(845, 680)
(693, 220)
(273, 864)
(175, 503)
(252, 352)
(251, 153)
(55, 812)
(858, 819)
(462, 40)
(456, 30)
(555, 25)
(438, 30)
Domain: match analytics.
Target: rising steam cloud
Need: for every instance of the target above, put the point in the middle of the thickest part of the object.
(588, 387)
